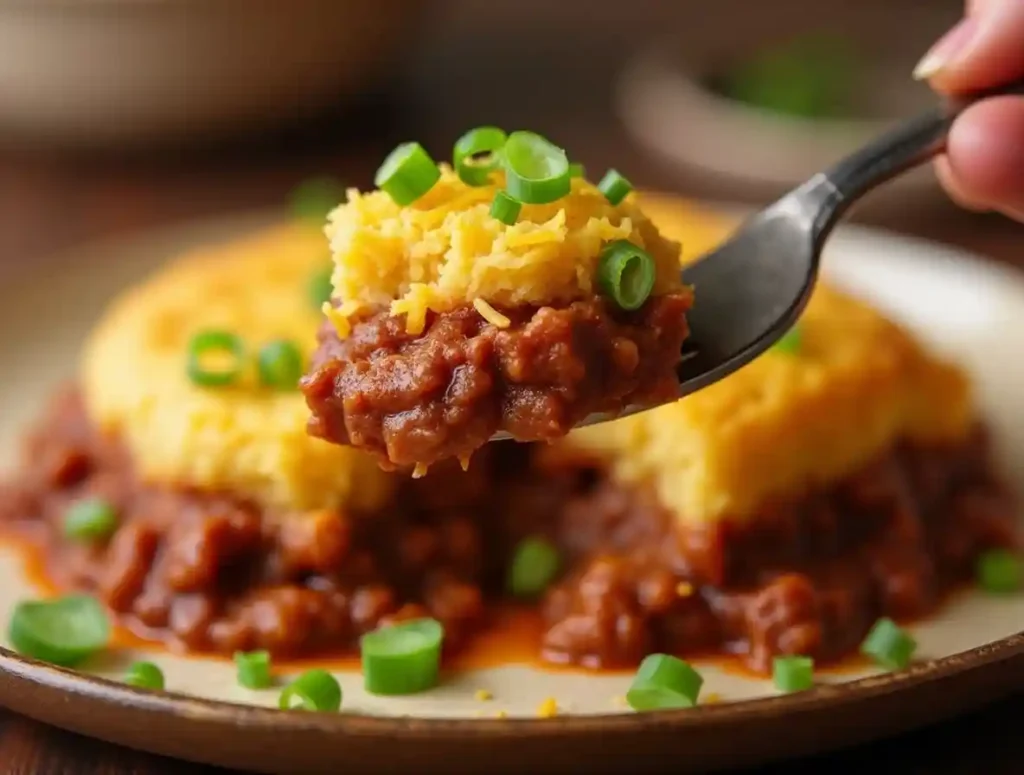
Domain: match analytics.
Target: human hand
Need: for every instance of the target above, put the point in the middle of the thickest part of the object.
(983, 168)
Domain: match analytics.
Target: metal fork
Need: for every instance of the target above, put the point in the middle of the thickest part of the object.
(752, 289)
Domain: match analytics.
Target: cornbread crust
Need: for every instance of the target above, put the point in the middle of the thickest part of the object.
(244, 439)
(788, 422)
(445, 251)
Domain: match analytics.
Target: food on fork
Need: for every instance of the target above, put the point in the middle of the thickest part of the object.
(503, 294)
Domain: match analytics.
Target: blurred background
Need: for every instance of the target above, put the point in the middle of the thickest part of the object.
(117, 115)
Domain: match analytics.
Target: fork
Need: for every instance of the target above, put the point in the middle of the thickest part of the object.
(751, 289)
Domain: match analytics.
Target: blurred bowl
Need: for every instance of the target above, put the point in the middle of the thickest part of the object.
(744, 150)
(138, 72)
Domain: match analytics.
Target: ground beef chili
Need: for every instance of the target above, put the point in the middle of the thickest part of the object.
(417, 399)
(808, 576)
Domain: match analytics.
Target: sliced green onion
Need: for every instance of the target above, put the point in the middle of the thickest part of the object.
(536, 171)
(577, 170)
(614, 186)
(313, 690)
(505, 209)
(90, 520)
(793, 674)
(64, 631)
(404, 658)
(663, 682)
(280, 365)
(215, 344)
(407, 174)
(790, 342)
(145, 675)
(253, 669)
(313, 199)
(321, 287)
(1000, 571)
(889, 645)
(534, 565)
(625, 273)
(477, 154)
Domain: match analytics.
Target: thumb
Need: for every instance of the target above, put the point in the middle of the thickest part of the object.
(984, 50)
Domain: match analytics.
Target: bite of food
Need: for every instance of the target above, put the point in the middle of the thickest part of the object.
(500, 294)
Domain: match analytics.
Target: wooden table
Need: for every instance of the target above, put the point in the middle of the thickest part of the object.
(49, 204)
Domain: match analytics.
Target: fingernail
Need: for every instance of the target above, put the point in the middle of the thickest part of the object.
(948, 48)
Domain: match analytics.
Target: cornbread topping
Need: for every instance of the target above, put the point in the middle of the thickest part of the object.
(503, 295)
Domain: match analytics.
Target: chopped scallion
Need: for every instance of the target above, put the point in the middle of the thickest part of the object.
(614, 187)
(664, 682)
(64, 631)
(534, 566)
(536, 170)
(145, 675)
(321, 287)
(92, 519)
(625, 273)
(313, 199)
(253, 669)
(790, 342)
(477, 154)
(577, 170)
(315, 690)
(280, 365)
(407, 174)
(1000, 571)
(403, 658)
(793, 674)
(505, 209)
(889, 645)
(215, 358)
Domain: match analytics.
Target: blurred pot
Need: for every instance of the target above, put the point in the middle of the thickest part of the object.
(139, 72)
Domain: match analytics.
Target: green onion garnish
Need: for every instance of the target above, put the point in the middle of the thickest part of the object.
(889, 645)
(313, 199)
(505, 209)
(215, 345)
(145, 675)
(253, 669)
(404, 658)
(536, 171)
(477, 154)
(577, 170)
(321, 287)
(280, 365)
(534, 565)
(407, 174)
(90, 520)
(313, 690)
(1000, 571)
(63, 632)
(625, 272)
(790, 342)
(663, 682)
(793, 674)
(614, 187)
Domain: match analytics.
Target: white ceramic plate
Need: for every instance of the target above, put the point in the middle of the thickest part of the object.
(963, 307)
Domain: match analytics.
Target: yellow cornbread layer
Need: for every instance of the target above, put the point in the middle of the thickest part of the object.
(244, 439)
(445, 250)
(788, 421)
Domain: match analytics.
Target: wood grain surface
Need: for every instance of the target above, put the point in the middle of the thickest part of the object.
(50, 202)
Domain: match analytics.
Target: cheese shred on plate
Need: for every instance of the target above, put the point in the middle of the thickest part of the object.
(446, 251)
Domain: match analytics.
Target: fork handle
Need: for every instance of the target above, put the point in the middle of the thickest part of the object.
(911, 143)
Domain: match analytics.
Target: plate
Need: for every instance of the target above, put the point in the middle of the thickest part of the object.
(972, 653)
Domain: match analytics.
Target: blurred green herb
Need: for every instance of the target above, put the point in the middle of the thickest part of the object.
(313, 199)
(811, 77)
